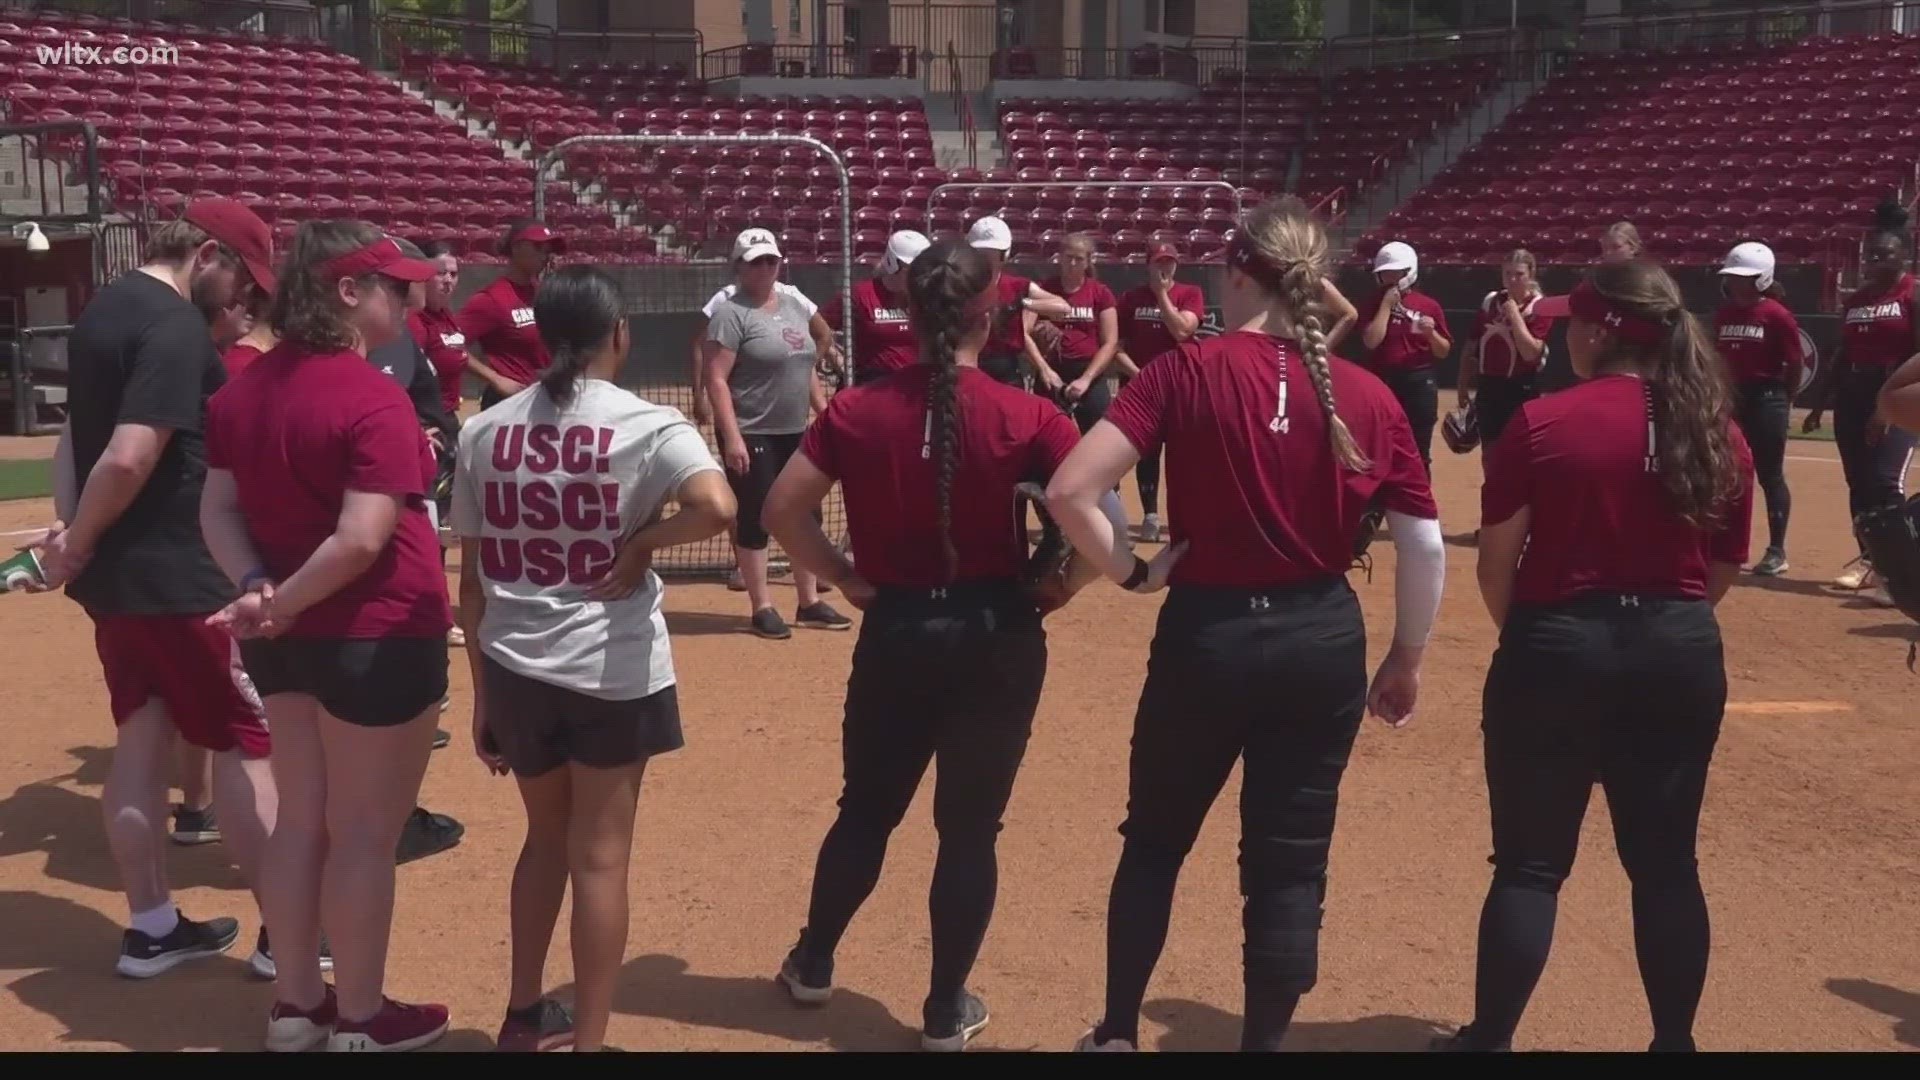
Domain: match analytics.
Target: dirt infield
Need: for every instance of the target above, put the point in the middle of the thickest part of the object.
(1808, 850)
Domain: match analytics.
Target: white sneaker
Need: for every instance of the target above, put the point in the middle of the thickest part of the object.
(1087, 1045)
(1858, 575)
(1881, 596)
(1150, 529)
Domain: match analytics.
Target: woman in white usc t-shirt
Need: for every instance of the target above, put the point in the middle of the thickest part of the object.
(558, 501)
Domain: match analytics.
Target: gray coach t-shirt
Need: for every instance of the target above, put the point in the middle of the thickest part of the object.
(550, 494)
(772, 366)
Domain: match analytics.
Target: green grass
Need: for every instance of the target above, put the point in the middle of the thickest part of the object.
(26, 479)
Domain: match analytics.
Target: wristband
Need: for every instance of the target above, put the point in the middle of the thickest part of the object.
(254, 577)
(1139, 575)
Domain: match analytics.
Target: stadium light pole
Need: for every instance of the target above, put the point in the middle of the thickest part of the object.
(548, 159)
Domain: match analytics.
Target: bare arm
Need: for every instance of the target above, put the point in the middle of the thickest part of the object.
(66, 493)
(1720, 578)
(1077, 497)
(1528, 346)
(1045, 304)
(1822, 386)
(501, 384)
(702, 408)
(473, 612)
(1437, 341)
(726, 423)
(1469, 370)
(361, 532)
(826, 347)
(704, 507)
(111, 486)
(225, 529)
(1499, 564)
(1375, 331)
(788, 515)
(1180, 325)
(1109, 345)
(1345, 315)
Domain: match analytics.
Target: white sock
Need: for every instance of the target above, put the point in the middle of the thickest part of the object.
(159, 922)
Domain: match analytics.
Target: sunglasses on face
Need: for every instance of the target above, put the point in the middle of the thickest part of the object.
(765, 261)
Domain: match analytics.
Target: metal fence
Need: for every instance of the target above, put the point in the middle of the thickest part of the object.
(535, 44)
(276, 18)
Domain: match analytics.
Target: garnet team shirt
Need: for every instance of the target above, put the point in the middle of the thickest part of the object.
(1009, 339)
(1143, 327)
(1878, 332)
(1759, 341)
(499, 318)
(1263, 507)
(883, 338)
(237, 357)
(1405, 347)
(1080, 330)
(1499, 356)
(298, 431)
(873, 439)
(1599, 519)
(439, 336)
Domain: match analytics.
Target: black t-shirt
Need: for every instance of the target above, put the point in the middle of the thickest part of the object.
(140, 353)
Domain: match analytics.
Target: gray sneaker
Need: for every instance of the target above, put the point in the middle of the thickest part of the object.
(768, 624)
(1772, 564)
(192, 827)
(821, 616)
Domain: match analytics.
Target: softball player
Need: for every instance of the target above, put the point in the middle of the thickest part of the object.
(1509, 342)
(951, 655)
(1019, 302)
(1620, 242)
(1154, 319)
(1761, 343)
(1089, 335)
(761, 383)
(315, 504)
(1260, 653)
(1879, 333)
(1405, 335)
(1631, 494)
(435, 329)
(497, 322)
(882, 334)
(567, 643)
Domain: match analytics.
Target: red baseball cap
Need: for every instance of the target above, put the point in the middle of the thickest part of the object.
(383, 257)
(1163, 250)
(538, 233)
(241, 229)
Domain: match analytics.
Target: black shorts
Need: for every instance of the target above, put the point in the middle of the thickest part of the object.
(539, 726)
(367, 682)
(766, 456)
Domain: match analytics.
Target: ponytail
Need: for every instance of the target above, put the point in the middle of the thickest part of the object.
(1300, 288)
(576, 311)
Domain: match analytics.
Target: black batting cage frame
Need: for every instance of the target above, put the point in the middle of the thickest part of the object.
(713, 556)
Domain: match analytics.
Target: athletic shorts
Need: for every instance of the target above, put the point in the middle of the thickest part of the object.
(367, 682)
(539, 726)
(192, 668)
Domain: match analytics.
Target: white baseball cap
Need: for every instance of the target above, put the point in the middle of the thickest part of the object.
(990, 233)
(751, 244)
(1395, 256)
(1752, 260)
(902, 248)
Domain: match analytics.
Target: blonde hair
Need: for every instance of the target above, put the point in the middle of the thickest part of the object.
(1284, 248)
(1623, 233)
(1082, 244)
(1523, 257)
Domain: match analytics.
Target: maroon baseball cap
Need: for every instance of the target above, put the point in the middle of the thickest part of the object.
(1163, 250)
(538, 233)
(241, 229)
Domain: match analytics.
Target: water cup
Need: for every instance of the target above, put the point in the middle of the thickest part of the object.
(22, 571)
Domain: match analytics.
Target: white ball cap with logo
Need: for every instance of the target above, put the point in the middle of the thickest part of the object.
(990, 233)
(752, 244)
(1397, 256)
(902, 248)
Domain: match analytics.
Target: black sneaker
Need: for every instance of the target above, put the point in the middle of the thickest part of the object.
(821, 616)
(191, 826)
(952, 1034)
(768, 624)
(441, 738)
(262, 959)
(1772, 564)
(142, 957)
(427, 833)
(543, 1027)
(808, 981)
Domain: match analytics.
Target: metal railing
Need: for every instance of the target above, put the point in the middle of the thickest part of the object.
(810, 61)
(407, 36)
(46, 152)
(1161, 62)
(22, 409)
(963, 107)
(275, 18)
(1761, 25)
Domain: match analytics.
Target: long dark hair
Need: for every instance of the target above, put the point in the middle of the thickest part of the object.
(307, 309)
(1691, 403)
(576, 309)
(939, 284)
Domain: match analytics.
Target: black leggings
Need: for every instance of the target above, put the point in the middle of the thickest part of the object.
(1628, 691)
(939, 675)
(1419, 395)
(1763, 410)
(766, 456)
(1090, 408)
(1496, 398)
(1876, 471)
(1146, 475)
(1276, 679)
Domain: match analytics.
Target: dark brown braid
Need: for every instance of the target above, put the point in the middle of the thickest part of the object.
(940, 283)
